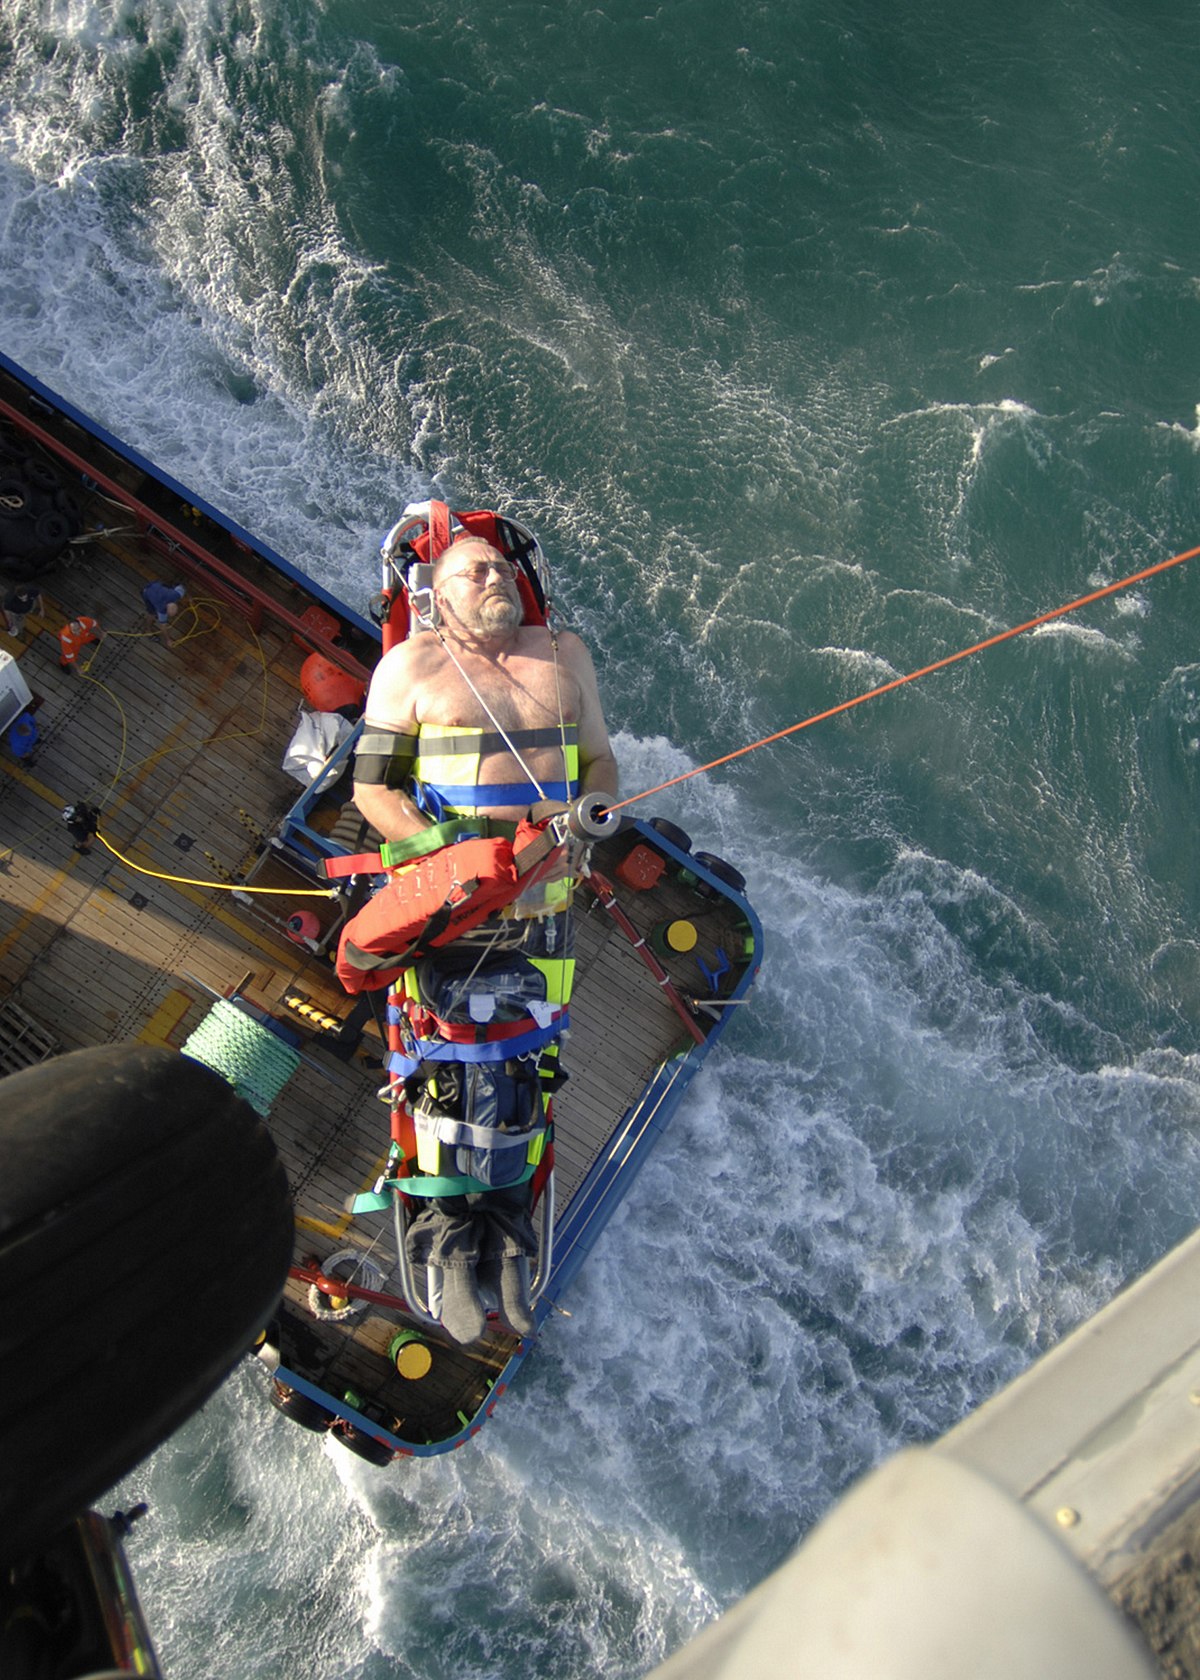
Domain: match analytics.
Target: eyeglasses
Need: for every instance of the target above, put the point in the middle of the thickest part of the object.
(478, 573)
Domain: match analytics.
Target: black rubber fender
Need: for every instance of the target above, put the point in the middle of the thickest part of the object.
(66, 504)
(670, 831)
(300, 1408)
(40, 474)
(52, 531)
(14, 497)
(364, 1446)
(724, 872)
(145, 1236)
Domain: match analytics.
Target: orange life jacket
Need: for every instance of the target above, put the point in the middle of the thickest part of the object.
(432, 901)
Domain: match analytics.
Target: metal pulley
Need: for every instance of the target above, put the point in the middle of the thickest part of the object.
(589, 818)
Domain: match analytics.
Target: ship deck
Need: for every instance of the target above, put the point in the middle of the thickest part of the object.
(134, 940)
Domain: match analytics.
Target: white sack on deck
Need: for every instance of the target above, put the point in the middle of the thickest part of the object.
(317, 735)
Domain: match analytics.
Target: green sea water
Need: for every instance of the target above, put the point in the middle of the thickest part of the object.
(816, 342)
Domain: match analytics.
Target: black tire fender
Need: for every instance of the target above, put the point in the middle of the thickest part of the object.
(300, 1408)
(724, 872)
(670, 831)
(362, 1445)
(40, 474)
(14, 497)
(120, 1319)
(52, 529)
(66, 504)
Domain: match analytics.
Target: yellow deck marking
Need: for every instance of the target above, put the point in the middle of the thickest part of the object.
(322, 1226)
(339, 1230)
(53, 886)
(21, 775)
(166, 1019)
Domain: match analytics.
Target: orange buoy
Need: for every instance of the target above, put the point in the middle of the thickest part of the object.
(302, 925)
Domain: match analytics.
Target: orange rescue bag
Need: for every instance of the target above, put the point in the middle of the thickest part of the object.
(433, 901)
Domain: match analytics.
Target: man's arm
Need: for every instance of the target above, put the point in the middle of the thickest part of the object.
(389, 810)
(599, 775)
(597, 762)
(390, 716)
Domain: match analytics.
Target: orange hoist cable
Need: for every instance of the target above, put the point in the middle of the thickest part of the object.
(925, 671)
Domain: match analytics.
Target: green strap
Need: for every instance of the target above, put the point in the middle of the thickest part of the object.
(370, 1202)
(459, 1185)
(428, 840)
(432, 839)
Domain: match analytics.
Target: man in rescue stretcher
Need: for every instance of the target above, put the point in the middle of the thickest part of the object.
(483, 717)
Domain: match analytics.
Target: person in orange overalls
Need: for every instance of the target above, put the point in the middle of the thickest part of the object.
(74, 637)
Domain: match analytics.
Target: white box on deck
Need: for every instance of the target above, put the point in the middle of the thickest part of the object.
(14, 691)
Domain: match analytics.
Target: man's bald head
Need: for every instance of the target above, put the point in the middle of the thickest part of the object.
(477, 588)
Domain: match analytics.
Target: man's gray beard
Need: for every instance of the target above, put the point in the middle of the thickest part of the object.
(494, 615)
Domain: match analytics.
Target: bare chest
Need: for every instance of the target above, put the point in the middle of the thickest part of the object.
(517, 691)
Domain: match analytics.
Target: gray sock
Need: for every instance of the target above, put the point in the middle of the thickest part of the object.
(463, 1316)
(515, 1307)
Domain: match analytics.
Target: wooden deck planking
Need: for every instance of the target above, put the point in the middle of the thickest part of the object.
(602, 1086)
(204, 730)
(618, 1059)
(223, 754)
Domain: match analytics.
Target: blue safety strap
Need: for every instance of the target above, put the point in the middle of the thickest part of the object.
(472, 797)
(498, 1050)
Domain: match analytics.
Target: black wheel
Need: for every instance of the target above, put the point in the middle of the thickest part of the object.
(120, 1318)
(363, 1445)
(724, 872)
(301, 1408)
(670, 832)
